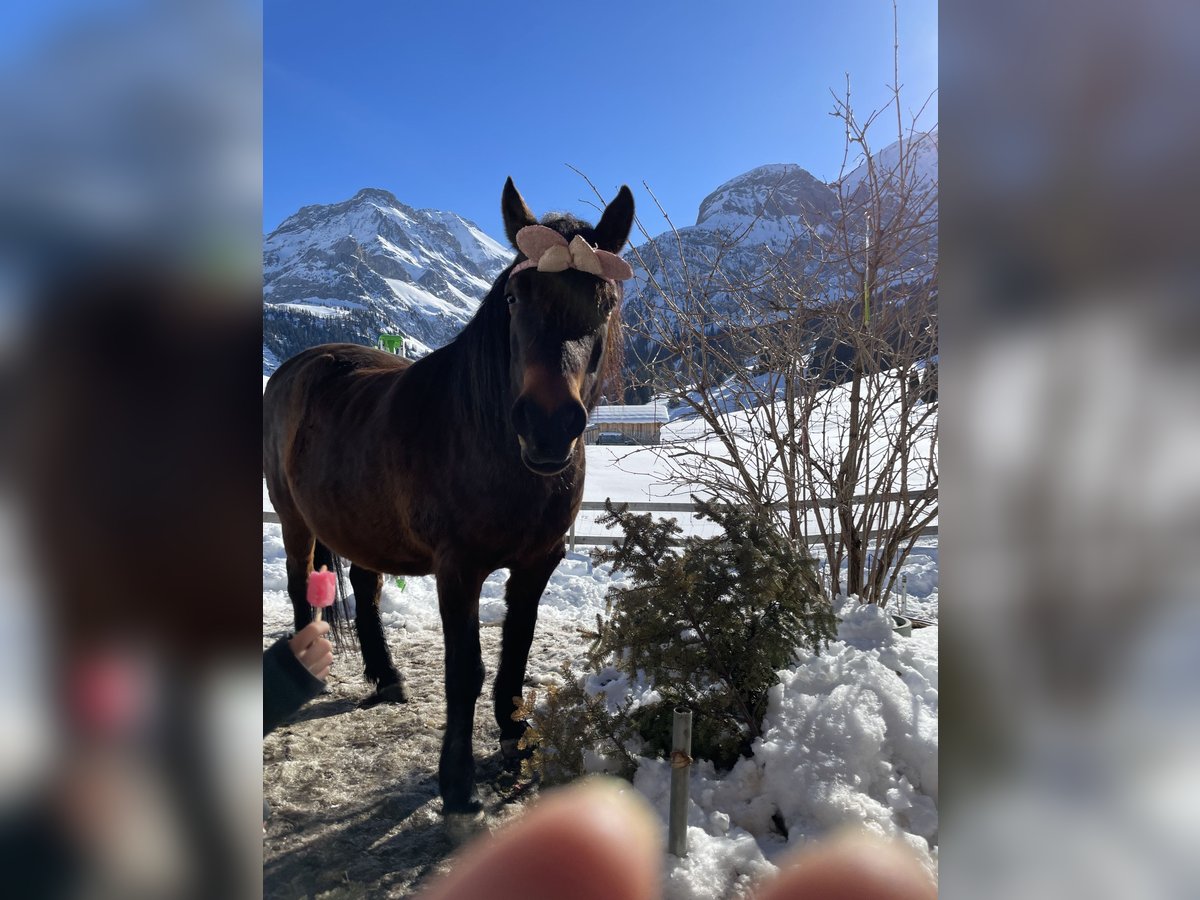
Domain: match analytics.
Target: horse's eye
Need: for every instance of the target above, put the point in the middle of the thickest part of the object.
(511, 298)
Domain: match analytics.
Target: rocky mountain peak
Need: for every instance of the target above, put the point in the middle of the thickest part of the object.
(772, 192)
(369, 265)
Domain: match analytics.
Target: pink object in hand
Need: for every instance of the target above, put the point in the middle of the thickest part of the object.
(321, 587)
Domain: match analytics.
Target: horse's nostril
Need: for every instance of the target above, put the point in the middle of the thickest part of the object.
(520, 415)
(572, 419)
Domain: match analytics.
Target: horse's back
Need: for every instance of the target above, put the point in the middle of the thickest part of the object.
(328, 367)
(313, 381)
(331, 361)
(332, 460)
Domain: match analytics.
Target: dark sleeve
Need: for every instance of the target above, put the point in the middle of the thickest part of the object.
(287, 685)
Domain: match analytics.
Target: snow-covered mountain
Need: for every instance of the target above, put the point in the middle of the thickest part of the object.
(369, 265)
(771, 205)
(922, 163)
(775, 218)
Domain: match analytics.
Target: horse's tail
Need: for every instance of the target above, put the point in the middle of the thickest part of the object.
(339, 614)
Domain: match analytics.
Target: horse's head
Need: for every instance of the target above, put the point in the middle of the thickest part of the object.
(564, 305)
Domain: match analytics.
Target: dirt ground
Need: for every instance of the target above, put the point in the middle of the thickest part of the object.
(353, 793)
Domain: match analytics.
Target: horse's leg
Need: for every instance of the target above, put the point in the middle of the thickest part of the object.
(458, 601)
(521, 594)
(380, 671)
(298, 544)
(323, 556)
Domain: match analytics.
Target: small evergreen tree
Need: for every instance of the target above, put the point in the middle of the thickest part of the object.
(711, 625)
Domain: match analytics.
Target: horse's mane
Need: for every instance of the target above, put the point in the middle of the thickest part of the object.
(483, 346)
(483, 386)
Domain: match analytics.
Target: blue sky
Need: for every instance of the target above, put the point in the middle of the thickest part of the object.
(439, 102)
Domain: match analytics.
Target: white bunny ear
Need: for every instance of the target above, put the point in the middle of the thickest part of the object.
(583, 257)
(555, 259)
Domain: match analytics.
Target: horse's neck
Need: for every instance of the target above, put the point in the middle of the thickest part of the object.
(482, 396)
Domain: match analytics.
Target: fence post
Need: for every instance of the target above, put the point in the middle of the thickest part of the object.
(681, 767)
(572, 535)
(904, 595)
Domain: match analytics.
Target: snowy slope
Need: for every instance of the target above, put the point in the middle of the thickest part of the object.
(771, 205)
(371, 264)
(923, 163)
(762, 218)
(775, 217)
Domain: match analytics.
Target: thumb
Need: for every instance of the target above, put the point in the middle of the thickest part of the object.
(595, 840)
(853, 867)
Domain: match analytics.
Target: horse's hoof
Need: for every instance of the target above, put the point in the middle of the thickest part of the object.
(388, 693)
(469, 806)
(510, 749)
(460, 827)
(512, 755)
(394, 693)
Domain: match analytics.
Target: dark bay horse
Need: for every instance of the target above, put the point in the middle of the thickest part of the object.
(464, 462)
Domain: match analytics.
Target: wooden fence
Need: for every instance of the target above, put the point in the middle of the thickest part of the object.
(664, 506)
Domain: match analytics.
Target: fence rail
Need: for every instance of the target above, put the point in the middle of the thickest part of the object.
(601, 540)
(270, 516)
(824, 502)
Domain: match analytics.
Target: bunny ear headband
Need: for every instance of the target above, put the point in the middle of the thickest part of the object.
(549, 251)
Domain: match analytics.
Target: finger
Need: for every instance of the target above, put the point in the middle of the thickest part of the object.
(851, 868)
(321, 665)
(317, 650)
(300, 640)
(318, 647)
(314, 630)
(593, 841)
(309, 644)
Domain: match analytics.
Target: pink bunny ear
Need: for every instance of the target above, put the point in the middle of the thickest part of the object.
(613, 267)
(549, 252)
(534, 240)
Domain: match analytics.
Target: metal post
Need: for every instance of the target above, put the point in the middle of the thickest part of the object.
(681, 767)
(904, 595)
(572, 535)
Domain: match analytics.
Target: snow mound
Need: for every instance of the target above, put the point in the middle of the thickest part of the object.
(850, 739)
(864, 626)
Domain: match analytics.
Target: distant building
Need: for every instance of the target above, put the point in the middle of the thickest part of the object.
(637, 424)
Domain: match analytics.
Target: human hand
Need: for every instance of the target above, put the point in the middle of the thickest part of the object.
(312, 649)
(600, 841)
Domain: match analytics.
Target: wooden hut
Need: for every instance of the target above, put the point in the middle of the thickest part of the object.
(637, 424)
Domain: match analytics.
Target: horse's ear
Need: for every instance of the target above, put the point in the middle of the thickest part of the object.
(516, 213)
(613, 229)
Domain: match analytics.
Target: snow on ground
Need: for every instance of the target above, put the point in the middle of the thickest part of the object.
(850, 739)
(850, 736)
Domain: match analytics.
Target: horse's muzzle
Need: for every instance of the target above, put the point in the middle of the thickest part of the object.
(543, 465)
(547, 438)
